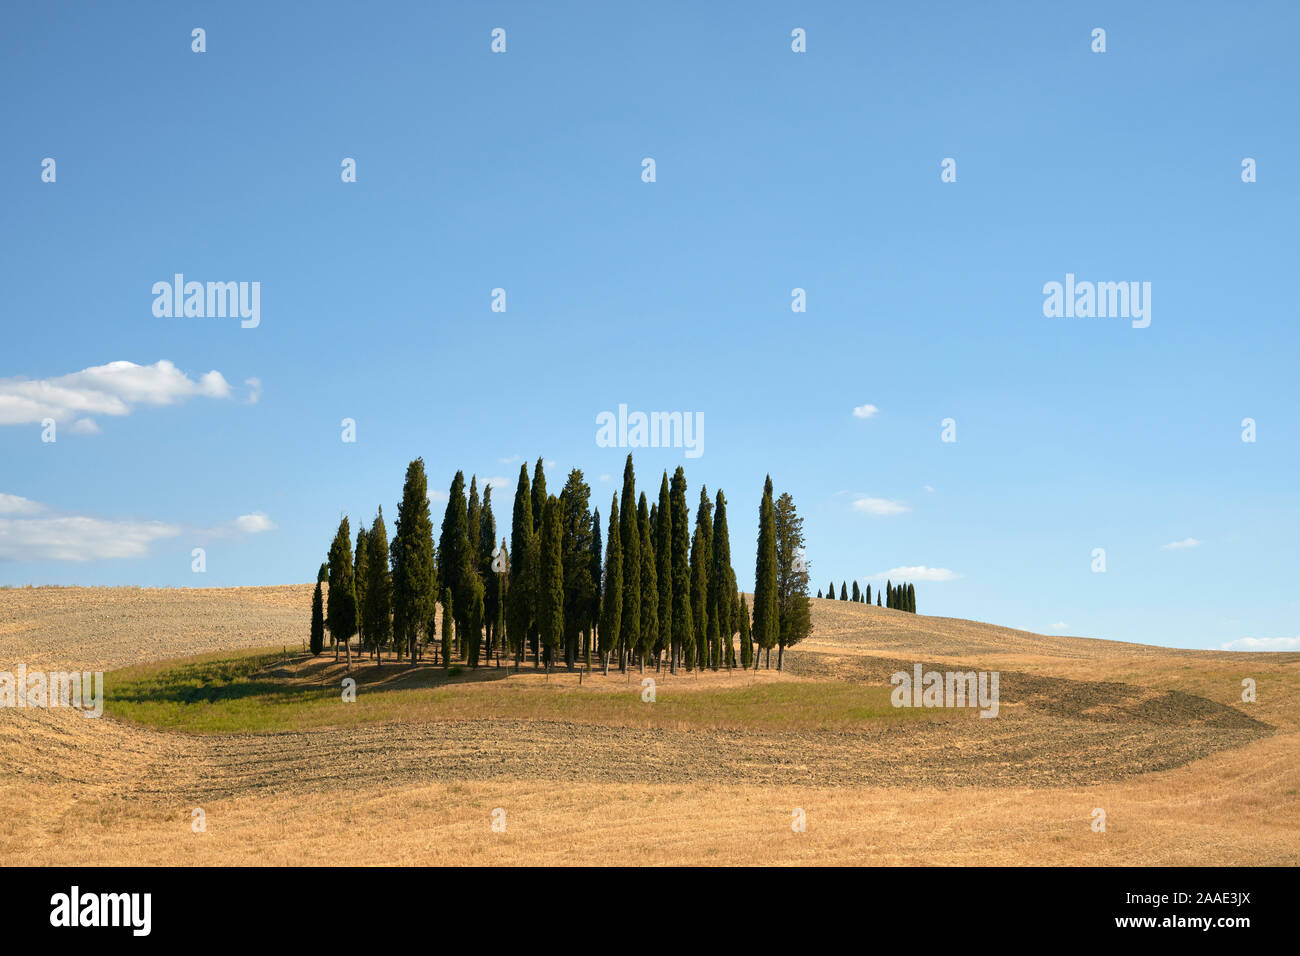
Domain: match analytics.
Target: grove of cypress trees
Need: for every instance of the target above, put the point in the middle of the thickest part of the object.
(412, 558)
(649, 583)
(766, 620)
(611, 603)
(629, 536)
(683, 632)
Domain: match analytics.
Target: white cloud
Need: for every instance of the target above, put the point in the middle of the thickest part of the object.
(511, 460)
(1176, 545)
(255, 523)
(496, 483)
(878, 506)
(918, 573)
(1262, 644)
(110, 389)
(929, 488)
(864, 411)
(437, 497)
(14, 505)
(1060, 626)
(78, 538)
(254, 390)
(605, 477)
(85, 426)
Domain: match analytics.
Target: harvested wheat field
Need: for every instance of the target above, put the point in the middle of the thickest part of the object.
(713, 771)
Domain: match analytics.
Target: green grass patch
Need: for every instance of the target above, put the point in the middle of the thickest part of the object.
(260, 692)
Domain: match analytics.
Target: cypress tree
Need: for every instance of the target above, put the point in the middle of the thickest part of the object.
(629, 536)
(473, 591)
(611, 598)
(663, 571)
(361, 577)
(844, 592)
(378, 607)
(520, 594)
(766, 620)
(830, 591)
(551, 599)
(819, 592)
(341, 612)
(317, 621)
(792, 577)
(683, 633)
(575, 552)
(597, 573)
(454, 558)
(868, 593)
(539, 529)
(487, 538)
(649, 583)
(857, 595)
(722, 588)
(474, 520)
(889, 593)
(746, 636)
(877, 599)
(412, 558)
(701, 568)
(911, 598)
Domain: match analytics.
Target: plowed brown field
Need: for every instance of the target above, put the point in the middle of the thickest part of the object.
(1159, 739)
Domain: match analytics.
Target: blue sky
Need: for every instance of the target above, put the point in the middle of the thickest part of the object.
(774, 171)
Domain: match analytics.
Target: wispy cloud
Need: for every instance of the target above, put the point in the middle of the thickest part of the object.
(511, 460)
(918, 573)
(879, 506)
(1060, 626)
(112, 389)
(1178, 545)
(1262, 644)
(864, 411)
(254, 390)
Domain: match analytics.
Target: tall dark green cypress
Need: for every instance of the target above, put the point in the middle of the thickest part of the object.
(889, 593)
(341, 611)
(597, 577)
(317, 621)
(539, 530)
(830, 591)
(663, 532)
(683, 632)
(792, 577)
(551, 600)
(487, 542)
(629, 537)
(454, 556)
(379, 589)
(412, 557)
(649, 583)
(611, 603)
(767, 622)
(576, 560)
(722, 588)
(361, 578)
(844, 592)
(701, 568)
(868, 593)
(857, 595)
(520, 594)
(911, 598)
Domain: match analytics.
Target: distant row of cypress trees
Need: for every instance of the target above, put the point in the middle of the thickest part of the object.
(901, 597)
(656, 591)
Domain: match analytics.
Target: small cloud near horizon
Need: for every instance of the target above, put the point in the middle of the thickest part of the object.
(1262, 644)
(864, 411)
(879, 506)
(1177, 545)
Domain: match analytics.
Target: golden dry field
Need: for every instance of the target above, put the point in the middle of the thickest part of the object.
(711, 773)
